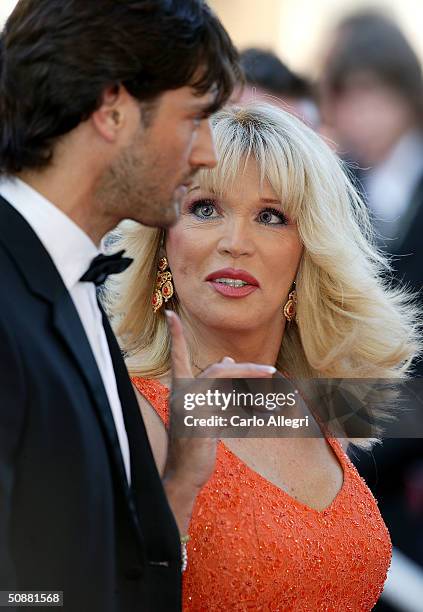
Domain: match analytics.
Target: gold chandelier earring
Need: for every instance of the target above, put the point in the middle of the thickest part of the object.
(164, 286)
(290, 308)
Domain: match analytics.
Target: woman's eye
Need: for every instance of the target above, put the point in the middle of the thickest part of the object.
(271, 216)
(204, 209)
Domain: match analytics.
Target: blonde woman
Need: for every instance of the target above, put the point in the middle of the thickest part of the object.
(270, 263)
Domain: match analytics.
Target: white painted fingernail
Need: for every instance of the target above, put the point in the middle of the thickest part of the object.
(228, 360)
(269, 369)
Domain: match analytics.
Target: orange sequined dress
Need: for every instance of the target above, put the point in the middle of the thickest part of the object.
(254, 547)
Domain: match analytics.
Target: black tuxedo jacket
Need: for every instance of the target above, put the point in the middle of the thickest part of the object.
(68, 520)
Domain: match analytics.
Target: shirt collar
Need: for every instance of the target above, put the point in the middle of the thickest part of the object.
(70, 248)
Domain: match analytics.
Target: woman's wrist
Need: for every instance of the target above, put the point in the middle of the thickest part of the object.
(181, 497)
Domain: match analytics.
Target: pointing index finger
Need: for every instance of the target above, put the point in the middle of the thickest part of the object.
(181, 367)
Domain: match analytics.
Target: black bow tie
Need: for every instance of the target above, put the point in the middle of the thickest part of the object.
(103, 265)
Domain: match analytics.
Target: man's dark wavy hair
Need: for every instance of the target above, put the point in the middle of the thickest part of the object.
(57, 57)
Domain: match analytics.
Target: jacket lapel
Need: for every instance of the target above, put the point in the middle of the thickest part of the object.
(133, 421)
(44, 281)
(163, 541)
(69, 327)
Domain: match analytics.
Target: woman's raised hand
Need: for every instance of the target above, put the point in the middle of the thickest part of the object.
(190, 461)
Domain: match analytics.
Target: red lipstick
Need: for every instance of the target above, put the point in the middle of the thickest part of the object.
(228, 289)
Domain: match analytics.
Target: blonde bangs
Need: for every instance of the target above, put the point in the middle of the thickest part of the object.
(238, 138)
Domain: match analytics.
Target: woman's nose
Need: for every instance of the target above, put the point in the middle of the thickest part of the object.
(236, 240)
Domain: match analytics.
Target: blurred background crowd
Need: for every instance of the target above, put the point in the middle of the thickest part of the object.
(353, 72)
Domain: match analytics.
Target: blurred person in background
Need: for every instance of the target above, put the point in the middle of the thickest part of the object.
(372, 106)
(268, 79)
(372, 101)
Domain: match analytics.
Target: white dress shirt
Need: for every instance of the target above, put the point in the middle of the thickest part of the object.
(72, 252)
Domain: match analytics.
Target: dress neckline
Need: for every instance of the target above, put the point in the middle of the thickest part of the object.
(289, 497)
(331, 441)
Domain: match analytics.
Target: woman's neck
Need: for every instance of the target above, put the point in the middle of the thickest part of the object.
(210, 345)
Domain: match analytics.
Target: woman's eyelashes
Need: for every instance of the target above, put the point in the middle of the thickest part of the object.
(272, 216)
(206, 208)
(203, 209)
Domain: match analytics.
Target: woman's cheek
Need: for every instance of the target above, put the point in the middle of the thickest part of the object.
(181, 258)
(176, 246)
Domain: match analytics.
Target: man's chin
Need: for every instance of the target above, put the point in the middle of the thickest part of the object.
(163, 218)
(172, 214)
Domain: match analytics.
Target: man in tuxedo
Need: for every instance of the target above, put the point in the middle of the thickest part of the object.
(103, 116)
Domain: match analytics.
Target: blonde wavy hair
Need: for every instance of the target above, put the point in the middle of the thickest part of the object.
(351, 321)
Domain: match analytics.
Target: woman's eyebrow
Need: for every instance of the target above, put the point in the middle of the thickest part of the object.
(193, 188)
(270, 201)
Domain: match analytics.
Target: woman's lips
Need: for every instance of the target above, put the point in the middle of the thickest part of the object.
(233, 292)
(228, 290)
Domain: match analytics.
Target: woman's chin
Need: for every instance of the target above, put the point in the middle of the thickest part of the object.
(229, 319)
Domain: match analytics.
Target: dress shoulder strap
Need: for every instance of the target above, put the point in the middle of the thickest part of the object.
(156, 394)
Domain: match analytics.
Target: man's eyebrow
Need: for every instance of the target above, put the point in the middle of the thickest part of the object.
(207, 105)
(203, 105)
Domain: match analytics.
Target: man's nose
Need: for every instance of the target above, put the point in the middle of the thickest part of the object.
(203, 153)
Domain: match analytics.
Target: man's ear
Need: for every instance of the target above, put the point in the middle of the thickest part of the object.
(110, 119)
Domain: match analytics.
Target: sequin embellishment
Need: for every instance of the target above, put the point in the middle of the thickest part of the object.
(253, 547)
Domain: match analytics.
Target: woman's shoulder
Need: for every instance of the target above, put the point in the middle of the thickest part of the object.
(155, 393)
(152, 396)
